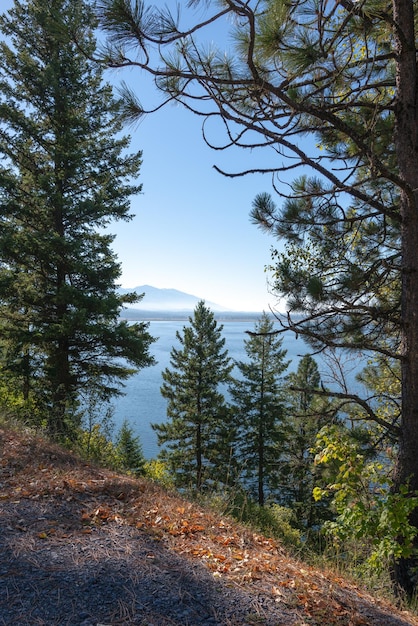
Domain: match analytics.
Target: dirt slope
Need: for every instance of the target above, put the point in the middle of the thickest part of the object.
(82, 546)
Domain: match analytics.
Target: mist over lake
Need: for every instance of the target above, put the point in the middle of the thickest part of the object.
(143, 404)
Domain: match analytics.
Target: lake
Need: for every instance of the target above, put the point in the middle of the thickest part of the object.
(143, 404)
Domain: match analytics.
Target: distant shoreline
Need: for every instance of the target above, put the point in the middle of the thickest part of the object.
(136, 315)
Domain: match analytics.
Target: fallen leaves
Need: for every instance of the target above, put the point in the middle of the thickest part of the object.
(102, 500)
(102, 514)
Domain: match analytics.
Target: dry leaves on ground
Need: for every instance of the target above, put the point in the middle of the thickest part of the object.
(32, 468)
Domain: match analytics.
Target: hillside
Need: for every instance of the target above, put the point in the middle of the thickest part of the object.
(156, 299)
(83, 546)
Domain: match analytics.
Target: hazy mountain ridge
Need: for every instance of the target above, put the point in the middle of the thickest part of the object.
(149, 315)
(169, 300)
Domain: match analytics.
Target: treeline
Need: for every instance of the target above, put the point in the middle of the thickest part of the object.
(276, 446)
(255, 430)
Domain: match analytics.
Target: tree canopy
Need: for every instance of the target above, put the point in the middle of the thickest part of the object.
(258, 408)
(197, 433)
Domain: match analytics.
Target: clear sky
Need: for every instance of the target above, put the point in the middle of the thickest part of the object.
(191, 229)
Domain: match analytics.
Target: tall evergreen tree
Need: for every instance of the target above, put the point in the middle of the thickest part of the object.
(343, 74)
(196, 435)
(65, 174)
(258, 406)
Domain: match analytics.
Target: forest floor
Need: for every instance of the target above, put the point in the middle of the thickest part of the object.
(84, 546)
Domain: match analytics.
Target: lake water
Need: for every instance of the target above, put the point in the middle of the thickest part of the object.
(143, 404)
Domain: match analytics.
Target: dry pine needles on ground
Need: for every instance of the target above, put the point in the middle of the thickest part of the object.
(85, 546)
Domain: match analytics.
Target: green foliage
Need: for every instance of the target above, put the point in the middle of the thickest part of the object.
(382, 377)
(12, 402)
(257, 409)
(157, 470)
(128, 450)
(367, 508)
(271, 519)
(308, 409)
(65, 174)
(95, 441)
(94, 445)
(197, 435)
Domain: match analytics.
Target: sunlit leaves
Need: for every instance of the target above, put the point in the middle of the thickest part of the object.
(367, 508)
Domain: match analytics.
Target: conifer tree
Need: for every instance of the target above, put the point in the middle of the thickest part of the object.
(307, 410)
(65, 174)
(197, 434)
(258, 407)
(128, 449)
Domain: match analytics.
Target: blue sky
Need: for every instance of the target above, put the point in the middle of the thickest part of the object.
(191, 229)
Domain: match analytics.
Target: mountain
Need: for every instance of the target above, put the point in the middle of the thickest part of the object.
(167, 300)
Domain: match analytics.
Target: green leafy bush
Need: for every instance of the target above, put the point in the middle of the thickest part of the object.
(157, 470)
(95, 445)
(367, 509)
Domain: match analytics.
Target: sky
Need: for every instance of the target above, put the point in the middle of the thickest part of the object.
(191, 229)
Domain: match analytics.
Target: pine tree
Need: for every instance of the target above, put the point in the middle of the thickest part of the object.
(308, 410)
(258, 407)
(344, 76)
(196, 435)
(128, 449)
(65, 174)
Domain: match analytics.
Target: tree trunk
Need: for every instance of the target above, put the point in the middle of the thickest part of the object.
(261, 464)
(199, 452)
(406, 138)
(199, 467)
(261, 433)
(62, 392)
